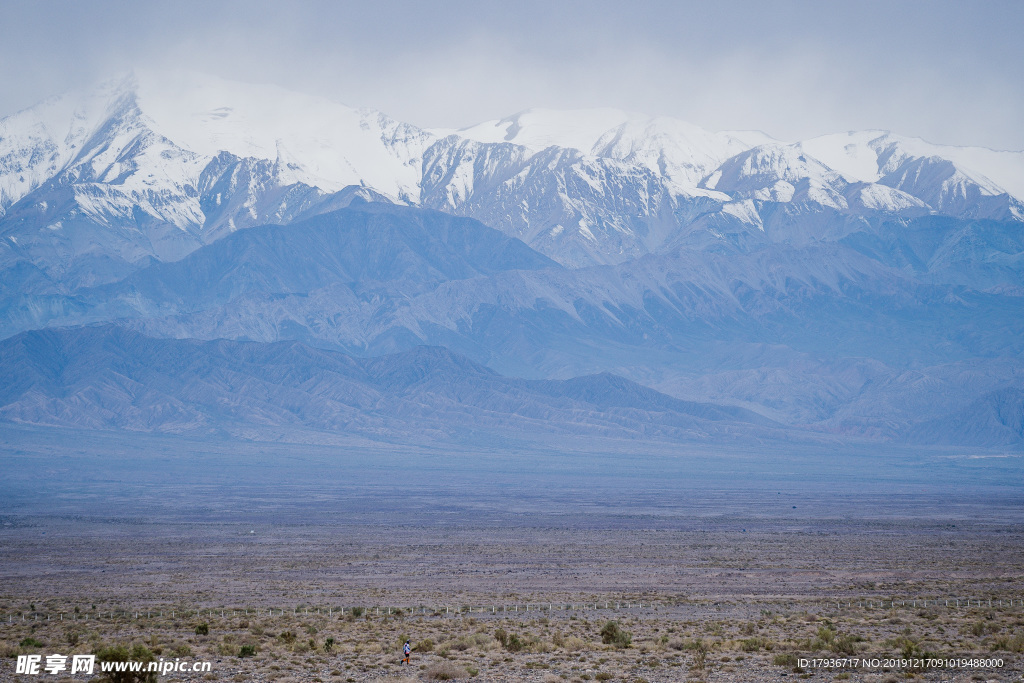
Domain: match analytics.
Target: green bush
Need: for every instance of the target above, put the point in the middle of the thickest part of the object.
(509, 641)
(203, 630)
(514, 643)
(120, 653)
(613, 634)
(785, 659)
(844, 644)
(1013, 643)
(752, 644)
(978, 628)
(31, 642)
(909, 648)
(247, 651)
(700, 653)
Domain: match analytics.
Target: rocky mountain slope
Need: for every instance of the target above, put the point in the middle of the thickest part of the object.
(861, 284)
(151, 166)
(110, 378)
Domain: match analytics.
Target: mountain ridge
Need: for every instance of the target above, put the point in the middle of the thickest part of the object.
(107, 377)
(156, 164)
(827, 284)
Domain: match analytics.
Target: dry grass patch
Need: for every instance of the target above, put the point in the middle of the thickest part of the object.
(446, 671)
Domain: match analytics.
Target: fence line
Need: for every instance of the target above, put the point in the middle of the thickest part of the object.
(330, 612)
(513, 608)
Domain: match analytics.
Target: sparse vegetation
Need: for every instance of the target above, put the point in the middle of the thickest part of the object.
(446, 671)
(784, 659)
(122, 653)
(613, 634)
(656, 646)
(678, 639)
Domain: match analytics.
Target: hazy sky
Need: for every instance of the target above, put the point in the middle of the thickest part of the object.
(947, 71)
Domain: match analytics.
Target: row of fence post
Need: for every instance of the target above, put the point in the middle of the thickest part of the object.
(483, 609)
(328, 611)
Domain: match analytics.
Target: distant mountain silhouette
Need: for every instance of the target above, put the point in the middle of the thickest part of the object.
(107, 377)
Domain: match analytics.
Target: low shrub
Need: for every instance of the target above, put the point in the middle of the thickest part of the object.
(446, 671)
(700, 653)
(121, 653)
(574, 644)
(510, 641)
(844, 644)
(613, 634)
(785, 659)
(1013, 643)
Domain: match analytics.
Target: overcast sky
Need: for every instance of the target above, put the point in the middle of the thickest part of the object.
(947, 71)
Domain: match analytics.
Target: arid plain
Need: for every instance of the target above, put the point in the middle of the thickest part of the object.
(306, 562)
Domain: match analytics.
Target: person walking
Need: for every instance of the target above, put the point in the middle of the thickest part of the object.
(406, 651)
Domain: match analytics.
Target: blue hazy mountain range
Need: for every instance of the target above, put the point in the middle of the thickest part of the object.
(109, 378)
(822, 338)
(861, 285)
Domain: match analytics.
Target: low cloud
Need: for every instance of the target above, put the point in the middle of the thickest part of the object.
(935, 70)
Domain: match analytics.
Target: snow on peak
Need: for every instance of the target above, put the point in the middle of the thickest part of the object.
(851, 154)
(542, 128)
(328, 145)
(867, 156)
(146, 141)
(39, 142)
(316, 141)
(679, 151)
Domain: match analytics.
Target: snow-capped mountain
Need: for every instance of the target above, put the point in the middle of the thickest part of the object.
(860, 283)
(313, 141)
(679, 152)
(98, 183)
(152, 166)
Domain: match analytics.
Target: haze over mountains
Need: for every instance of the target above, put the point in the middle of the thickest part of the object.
(865, 285)
(104, 376)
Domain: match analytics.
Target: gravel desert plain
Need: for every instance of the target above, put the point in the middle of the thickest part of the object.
(578, 562)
